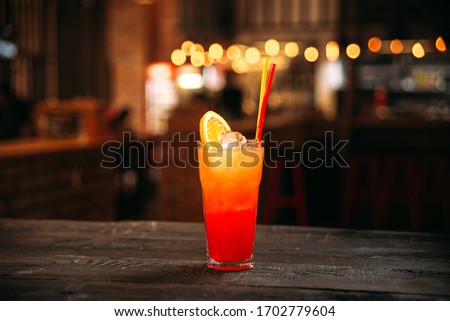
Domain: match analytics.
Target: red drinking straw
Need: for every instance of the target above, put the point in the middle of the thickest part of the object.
(260, 124)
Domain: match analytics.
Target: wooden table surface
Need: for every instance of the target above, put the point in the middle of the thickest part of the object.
(147, 260)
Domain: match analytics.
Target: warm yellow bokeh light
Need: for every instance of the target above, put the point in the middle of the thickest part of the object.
(208, 60)
(186, 47)
(224, 59)
(196, 48)
(178, 57)
(233, 52)
(332, 51)
(353, 51)
(272, 47)
(160, 70)
(252, 55)
(311, 54)
(396, 46)
(417, 50)
(440, 44)
(198, 59)
(291, 49)
(374, 44)
(240, 66)
(215, 51)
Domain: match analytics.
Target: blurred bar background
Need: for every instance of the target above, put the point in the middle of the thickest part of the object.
(75, 74)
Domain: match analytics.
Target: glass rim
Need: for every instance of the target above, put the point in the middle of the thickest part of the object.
(252, 143)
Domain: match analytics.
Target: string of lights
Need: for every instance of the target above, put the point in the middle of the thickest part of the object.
(242, 56)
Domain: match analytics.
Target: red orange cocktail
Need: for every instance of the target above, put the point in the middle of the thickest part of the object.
(230, 179)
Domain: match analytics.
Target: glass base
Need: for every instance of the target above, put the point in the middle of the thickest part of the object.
(230, 266)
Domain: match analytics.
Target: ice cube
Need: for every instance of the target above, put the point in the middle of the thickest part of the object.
(232, 139)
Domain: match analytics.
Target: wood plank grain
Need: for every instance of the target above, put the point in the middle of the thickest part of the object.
(137, 260)
(52, 289)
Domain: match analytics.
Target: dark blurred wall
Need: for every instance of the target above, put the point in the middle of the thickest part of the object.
(60, 48)
(81, 48)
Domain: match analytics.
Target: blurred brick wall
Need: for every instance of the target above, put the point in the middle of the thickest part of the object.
(137, 35)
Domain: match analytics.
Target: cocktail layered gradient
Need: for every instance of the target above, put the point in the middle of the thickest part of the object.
(230, 179)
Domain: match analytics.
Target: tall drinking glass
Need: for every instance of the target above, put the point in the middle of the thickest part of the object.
(230, 179)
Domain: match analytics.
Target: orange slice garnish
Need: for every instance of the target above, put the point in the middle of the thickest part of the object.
(212, 126)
